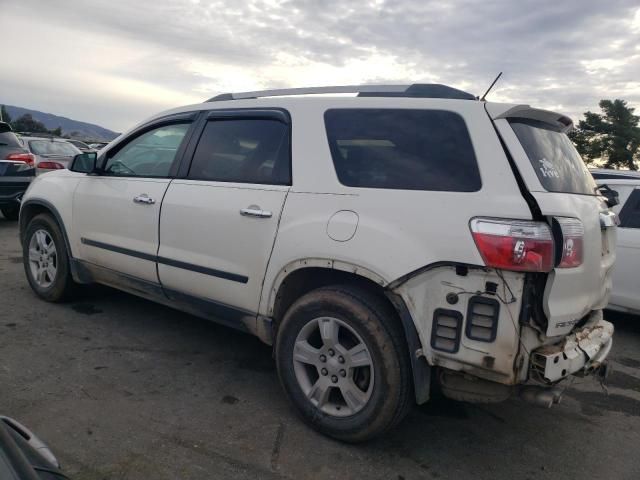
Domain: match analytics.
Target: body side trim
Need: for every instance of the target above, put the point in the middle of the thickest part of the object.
(234, 277)
(209, 310)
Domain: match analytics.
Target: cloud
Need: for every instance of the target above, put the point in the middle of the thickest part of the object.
(116, 62)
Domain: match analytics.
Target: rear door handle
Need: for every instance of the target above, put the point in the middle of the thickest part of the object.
(255, 211)
(144, 198)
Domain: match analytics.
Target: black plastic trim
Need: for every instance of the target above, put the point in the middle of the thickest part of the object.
(208, 309)
(168, 261)
(419, 366)
(204, 270)
(494, 325)
(218, 312)
(115, 248)
(279, 114)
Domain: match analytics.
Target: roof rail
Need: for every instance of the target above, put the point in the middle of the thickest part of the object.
(417, 90)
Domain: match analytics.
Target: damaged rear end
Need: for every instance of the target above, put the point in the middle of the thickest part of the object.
(531, 316)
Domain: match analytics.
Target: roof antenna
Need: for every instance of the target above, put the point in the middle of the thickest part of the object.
(490, 87)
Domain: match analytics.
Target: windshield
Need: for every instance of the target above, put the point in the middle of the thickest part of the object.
(47, 147)
(555, 160)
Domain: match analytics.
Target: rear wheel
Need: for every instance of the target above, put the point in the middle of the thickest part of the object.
(10, 212)
(343, 362)
(46, 260)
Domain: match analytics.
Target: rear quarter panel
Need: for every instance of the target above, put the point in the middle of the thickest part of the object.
(398, 231)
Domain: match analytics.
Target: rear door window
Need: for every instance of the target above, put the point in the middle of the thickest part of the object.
(402, 149)
(555, 160)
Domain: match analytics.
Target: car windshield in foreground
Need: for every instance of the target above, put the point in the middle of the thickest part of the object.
(555, 160)
(47, 147)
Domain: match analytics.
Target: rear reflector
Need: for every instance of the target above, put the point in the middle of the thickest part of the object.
(51, 165)
(572, 233)
(518, 245)
(28, 158)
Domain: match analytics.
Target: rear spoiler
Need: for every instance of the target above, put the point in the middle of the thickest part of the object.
(497, 111)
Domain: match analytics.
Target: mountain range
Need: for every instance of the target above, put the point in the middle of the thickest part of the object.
(73, 128)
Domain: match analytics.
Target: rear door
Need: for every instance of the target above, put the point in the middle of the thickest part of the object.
(563, 188)
(218, 223)
(116, 213)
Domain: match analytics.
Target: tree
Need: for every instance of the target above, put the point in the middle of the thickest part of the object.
(26, 123)
(613, 135)
(4, 114)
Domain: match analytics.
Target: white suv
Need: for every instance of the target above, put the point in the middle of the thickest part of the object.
(378, 241)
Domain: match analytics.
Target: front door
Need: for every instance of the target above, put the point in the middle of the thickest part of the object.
(116, 214)
(218, 224)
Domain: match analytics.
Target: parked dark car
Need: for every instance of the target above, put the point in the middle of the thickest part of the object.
(17, 169)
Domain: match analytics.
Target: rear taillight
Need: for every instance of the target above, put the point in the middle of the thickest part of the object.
(28, 158)
(51, 165)
(520, 245)
(572, 234)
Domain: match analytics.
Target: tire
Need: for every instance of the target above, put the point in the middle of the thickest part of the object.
(10, 212)
(54, 287)
(380, 394)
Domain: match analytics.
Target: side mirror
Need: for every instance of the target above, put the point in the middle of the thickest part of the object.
(84, 162)
(612, 197)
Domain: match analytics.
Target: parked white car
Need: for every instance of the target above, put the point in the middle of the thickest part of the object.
(625, 296)
(375, 240)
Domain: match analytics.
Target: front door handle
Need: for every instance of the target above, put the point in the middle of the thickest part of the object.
(144, 198)
(255, 211)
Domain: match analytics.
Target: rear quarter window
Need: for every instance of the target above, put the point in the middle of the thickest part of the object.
(553, 157)
(402, 149)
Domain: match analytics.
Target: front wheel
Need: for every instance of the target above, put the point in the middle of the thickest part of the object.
(343, 362)
(46, 260)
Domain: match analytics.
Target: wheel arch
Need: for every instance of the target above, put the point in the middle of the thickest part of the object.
(35, 206)
(300, 277)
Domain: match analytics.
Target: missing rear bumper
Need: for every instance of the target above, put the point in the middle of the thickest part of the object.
(581, 353)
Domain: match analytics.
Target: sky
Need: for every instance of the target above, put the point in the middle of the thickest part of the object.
(116, 62)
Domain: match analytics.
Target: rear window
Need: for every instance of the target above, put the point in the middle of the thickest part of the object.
(47, 147)
(555, 160)
(402, 149)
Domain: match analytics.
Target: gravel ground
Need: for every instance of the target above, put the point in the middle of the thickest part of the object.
(122, 388)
